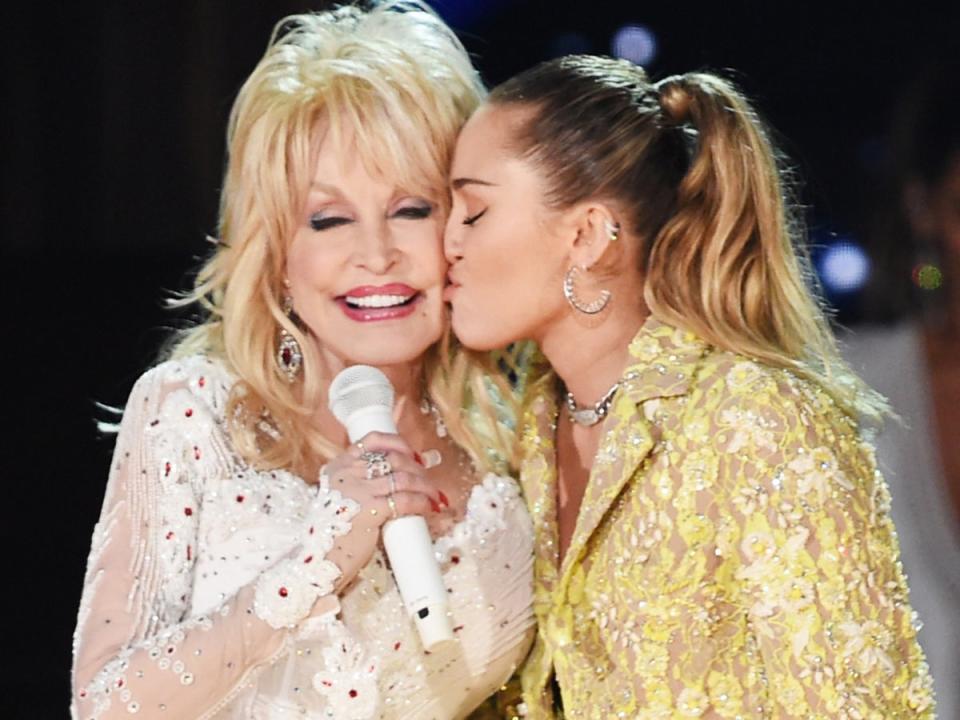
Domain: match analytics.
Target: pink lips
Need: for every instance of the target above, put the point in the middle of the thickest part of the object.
(451, 287)
(374, 314)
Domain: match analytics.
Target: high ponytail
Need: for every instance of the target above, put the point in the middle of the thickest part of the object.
(691, 164)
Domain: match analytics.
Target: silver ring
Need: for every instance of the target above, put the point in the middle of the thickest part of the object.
(393, 483)
(393, 505)
(377, 464)
(359, 445)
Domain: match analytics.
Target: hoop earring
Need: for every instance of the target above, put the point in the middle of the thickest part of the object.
(289, 353)
(570, 293)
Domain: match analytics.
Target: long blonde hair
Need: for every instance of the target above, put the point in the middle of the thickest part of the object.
(693, 166)
(398, 82)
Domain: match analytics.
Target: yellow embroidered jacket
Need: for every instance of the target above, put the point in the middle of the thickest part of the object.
(733, 557)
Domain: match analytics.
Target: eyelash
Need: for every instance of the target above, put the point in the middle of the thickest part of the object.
(325, 223)
(471, 220)
(408, 213)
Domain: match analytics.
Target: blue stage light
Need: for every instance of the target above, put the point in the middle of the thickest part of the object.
(844, 267)
(635, 43)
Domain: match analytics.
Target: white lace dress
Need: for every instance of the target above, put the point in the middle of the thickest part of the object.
(202, 568)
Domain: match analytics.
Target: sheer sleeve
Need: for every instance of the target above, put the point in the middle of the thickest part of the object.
(137, 647)
(813, 558)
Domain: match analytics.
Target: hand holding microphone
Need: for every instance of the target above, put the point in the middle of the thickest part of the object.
(361, 398)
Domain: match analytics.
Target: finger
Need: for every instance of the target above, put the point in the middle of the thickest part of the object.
(405, 482)
(412, 503)
(385, 442)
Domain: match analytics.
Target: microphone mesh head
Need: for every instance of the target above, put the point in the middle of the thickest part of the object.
(357, 387)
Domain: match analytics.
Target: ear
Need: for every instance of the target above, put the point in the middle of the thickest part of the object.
(597, 234)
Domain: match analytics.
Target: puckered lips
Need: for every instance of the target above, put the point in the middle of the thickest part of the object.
(372, 303)
(451, 287)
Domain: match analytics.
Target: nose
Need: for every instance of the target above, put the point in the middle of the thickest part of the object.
(378, 252)
(452, 247)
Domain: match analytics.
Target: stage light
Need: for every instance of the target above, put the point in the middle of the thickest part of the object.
(635, 43)
(927, 276)
(844, 267)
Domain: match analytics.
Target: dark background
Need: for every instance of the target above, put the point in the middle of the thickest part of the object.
(113, 118)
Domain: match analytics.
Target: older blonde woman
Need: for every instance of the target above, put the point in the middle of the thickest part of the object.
(224, 580)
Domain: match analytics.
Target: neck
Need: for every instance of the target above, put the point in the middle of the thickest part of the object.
(590, 360)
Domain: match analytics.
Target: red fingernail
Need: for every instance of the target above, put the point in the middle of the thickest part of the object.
(443, 498)
(416, 456)
(434, 505)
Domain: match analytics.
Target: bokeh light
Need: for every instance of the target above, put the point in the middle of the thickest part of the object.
(635, 43)
(844, 267)
(927, 276)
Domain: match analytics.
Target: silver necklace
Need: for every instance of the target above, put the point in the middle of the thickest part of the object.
(588, 416)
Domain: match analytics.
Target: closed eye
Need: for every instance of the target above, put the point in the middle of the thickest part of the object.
(320, 222)
(473, 218)
(414, 212)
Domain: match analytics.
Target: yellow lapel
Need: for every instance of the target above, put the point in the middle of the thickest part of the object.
(538, 472)
(663, 360)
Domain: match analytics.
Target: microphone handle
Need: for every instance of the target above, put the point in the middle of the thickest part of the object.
(409, 549)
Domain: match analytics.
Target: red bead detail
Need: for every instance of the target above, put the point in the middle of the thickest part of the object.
(455, 559)
(202, 381)
(353, 693)
(188, 412)
(396, 645)
(82, 693)
(188, 511)
(308, 559)
(286, 355)
(189, 552)
(170, 535)
(119, 682)
(311, 530)
(283, 592)
(166, 469)
(239, 498)
(458, 628)
(326, 683)
(196, 453)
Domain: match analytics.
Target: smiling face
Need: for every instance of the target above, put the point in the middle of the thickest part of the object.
(504, 245)
(365, 265)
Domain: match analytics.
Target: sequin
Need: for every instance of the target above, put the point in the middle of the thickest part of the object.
(187, 530)
(739, 561)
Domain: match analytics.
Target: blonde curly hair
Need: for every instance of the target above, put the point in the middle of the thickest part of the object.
(399, 82)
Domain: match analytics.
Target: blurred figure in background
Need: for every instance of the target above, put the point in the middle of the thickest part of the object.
(911, 354)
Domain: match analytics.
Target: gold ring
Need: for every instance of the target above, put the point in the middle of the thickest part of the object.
(393, 506)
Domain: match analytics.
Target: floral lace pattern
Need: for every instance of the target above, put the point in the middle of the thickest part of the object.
(208, 594)
(287, 592)
(733, 555)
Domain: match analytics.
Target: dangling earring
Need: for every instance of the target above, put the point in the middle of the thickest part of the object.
(289, 354)
(570, 293)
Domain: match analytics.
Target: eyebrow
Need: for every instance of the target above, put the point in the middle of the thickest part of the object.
(461, 182)
(316, 186)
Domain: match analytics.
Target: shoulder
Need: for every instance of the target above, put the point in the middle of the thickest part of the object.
(762, 417)
(198, 378)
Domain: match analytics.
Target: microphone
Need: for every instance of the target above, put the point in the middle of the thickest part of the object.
(361, 398)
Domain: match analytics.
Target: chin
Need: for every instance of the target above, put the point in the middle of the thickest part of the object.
(476, 336)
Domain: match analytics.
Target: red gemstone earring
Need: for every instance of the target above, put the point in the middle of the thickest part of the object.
(289, 354)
